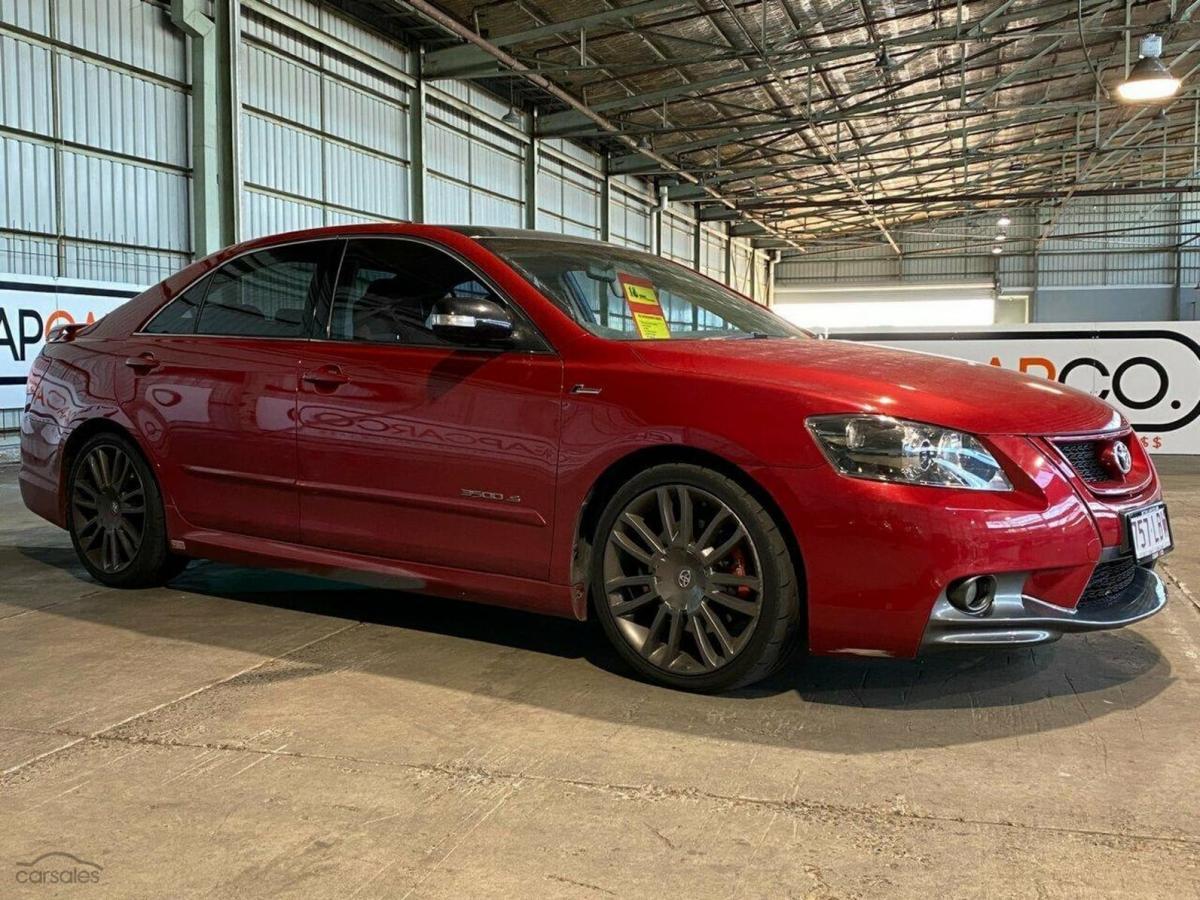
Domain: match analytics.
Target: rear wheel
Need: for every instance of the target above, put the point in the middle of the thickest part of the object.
(116, 516)
(692, 580)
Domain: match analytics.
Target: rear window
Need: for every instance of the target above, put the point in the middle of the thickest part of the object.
(271, 293)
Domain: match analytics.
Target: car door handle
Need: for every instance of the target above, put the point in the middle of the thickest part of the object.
(143, 363)
(326, 377)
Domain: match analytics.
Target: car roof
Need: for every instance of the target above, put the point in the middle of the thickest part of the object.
(361, 229)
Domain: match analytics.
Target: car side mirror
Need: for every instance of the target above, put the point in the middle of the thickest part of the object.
(471, 320)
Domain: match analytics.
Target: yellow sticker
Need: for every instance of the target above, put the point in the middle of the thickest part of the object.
(651, 326)
(637, 293)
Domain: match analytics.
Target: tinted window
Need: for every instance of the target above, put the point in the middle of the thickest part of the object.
(179, 316)
(388, 288)
(265, 294)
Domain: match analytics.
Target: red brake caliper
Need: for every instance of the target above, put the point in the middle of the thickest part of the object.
(737, 558)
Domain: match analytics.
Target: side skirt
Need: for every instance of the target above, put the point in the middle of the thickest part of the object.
(439, 581)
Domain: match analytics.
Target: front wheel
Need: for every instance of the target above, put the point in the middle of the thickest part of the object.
(692, 580)
(116, 518)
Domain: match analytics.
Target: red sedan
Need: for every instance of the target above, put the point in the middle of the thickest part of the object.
(569, 427)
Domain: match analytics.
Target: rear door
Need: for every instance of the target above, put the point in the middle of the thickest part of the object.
(417, 449)
(213, 387)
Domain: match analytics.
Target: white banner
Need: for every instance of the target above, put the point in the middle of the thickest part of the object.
(30, 306)
(1150, 371)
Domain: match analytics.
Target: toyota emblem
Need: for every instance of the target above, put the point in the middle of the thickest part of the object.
(685, 578)
(1121, 457)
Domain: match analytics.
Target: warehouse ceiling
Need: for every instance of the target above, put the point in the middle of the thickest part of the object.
(807, 123)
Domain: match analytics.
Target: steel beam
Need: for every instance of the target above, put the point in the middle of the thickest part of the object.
(558, 123)
(417, 97)
(456, 62)
(214, 154)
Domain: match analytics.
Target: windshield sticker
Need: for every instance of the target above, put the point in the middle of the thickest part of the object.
(643, 303)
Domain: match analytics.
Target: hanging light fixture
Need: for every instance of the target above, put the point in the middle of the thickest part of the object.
(1004, 221)
(512, 118)
(1149, 80)
(996, 251)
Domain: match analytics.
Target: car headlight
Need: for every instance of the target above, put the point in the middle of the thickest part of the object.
(885, 449)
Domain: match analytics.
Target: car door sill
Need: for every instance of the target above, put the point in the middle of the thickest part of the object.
(441, 581)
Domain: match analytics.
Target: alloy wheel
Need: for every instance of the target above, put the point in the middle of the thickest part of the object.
(108, 507)
(683, 580)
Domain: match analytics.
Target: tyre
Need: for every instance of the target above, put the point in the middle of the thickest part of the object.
(692, 580)
(115, 515)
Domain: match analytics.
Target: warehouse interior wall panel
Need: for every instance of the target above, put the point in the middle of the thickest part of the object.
(324, 133)
(475, 164)
(630, 213)
(713, 244)
(679, 234)
(569, 189)
(96, 174)
(742, 265)
(1120, 258)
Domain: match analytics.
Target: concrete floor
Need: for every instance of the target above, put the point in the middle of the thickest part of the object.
(251, 734)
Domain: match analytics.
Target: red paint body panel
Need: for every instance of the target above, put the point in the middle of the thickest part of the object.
(385, 458)
(367, 478)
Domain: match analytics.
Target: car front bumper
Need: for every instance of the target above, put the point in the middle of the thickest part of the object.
(1015, 618)
(877, 557)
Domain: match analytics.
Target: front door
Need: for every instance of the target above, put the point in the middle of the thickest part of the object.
(420, 450)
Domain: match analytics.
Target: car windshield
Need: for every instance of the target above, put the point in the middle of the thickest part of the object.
(627, 296)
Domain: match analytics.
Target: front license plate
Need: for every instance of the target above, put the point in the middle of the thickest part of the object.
(1149, 532)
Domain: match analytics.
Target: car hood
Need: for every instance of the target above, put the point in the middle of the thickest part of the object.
(844, 376)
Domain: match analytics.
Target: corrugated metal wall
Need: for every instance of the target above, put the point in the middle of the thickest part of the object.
(93, 140)
(324, 133)
(475, 162)
(1106, 257)
(713, 244)
(679, 234)
(630, 213)
(96, 177)
(570, 185)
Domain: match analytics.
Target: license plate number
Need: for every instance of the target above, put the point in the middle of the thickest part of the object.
(1149, 532)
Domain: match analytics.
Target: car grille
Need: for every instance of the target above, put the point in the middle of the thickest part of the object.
(1108, 584)
(1084, 457)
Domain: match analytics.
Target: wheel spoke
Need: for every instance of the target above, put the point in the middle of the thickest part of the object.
(126, 529)
(644, 532)
(745, 607)
(124, 543)
(673, 638)
(724, 638)
(666, 512)
(95, 466)
(88, 540)
(719, 553)
(116, 469)
(647, 648)
(624, 581)
(626, 543)
(707, 654)
(728, 579)
(706, 538)
(685, 516)
(625, 607)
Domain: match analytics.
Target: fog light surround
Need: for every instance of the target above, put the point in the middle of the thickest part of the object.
(973, 595)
